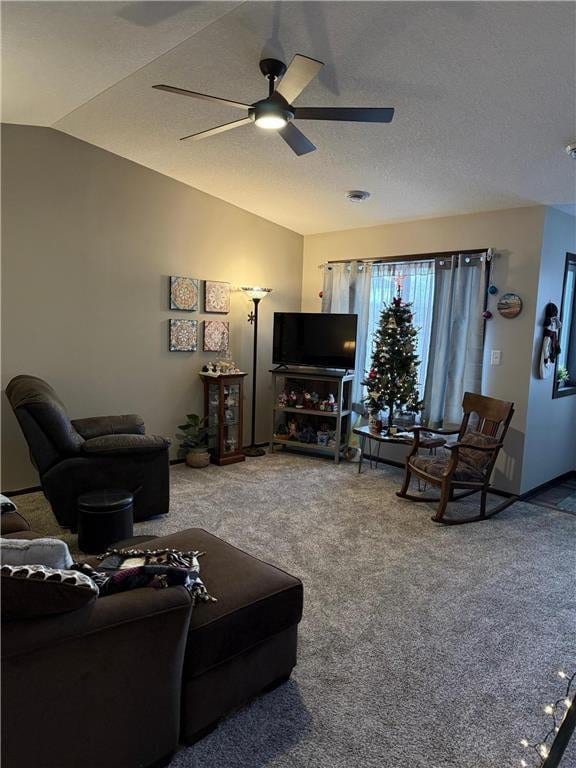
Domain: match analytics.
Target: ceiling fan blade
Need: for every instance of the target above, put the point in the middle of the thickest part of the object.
(194, 95)
(349, 114)
(218, 129)
(300, 72)
(296, 140)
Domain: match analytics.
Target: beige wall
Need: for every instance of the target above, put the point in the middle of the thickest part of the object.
(516, 234)
(88, 242)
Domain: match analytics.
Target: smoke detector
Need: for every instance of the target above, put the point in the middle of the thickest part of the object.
(571, 150)
(357, 195)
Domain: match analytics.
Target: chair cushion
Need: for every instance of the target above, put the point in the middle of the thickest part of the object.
(51, 552)
(125, 444)
(255, 600)
(34, 590)
(437, 466)
(98, 426)
(477, 459)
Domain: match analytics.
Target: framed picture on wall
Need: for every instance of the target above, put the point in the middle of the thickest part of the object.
(183, 335)
(216, 297)
(184, 293)
(216, 335)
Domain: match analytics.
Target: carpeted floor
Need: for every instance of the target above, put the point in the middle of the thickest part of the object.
(421, 646)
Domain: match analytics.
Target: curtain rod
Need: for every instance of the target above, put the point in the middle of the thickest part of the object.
(414, 257)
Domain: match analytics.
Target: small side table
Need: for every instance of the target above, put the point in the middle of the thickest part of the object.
(104, 517)
(426, 441)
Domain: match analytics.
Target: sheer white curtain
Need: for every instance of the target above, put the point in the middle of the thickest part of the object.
(457, 337)
(417, 281)
(346, 290)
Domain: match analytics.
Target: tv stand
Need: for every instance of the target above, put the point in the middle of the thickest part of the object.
(306, 426)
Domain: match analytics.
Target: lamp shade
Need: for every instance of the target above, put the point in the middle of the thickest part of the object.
(256, 292)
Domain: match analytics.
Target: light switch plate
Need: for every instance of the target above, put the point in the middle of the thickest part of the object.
(495, 356)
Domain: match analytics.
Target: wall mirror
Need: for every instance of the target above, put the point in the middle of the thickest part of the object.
(565, 371)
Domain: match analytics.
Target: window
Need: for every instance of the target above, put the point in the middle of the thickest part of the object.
(416, 280)
(565, 371)
(448, 297)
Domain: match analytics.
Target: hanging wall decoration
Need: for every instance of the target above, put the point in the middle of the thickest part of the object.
(509, 305)
(183, 335)
(550, 342)
(216, 335)
(184, 293)
(216, 297)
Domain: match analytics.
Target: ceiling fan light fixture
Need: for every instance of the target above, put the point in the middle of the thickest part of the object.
(270, 115)
(271, 122)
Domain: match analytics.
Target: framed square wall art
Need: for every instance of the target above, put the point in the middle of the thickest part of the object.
(184, 293)
(216, 297)
(216, 335)
(183, 335)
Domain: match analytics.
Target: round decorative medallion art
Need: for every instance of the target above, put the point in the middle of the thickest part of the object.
(509, 305)
(184, 293)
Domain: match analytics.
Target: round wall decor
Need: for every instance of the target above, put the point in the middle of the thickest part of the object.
(509, 305)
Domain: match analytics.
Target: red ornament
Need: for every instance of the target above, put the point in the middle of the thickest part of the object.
(487, 314)
(372, 374)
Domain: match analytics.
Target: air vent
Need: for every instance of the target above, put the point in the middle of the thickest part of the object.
(357, 195)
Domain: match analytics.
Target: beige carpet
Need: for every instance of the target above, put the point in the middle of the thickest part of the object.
(421, 646)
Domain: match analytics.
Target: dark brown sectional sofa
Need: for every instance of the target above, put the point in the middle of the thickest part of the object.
(121, 682)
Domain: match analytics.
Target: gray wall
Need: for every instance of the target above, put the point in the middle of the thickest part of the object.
(550, 447)
(88, 242)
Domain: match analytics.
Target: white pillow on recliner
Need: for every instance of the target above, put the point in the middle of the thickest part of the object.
(50, 552)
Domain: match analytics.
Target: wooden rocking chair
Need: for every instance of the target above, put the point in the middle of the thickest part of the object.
(470, 461)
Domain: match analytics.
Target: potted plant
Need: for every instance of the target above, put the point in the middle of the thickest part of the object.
(562, 376)
(194, 441)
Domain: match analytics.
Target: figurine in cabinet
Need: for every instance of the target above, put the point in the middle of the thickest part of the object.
(282, 400)
(308, 434)
(292, 429)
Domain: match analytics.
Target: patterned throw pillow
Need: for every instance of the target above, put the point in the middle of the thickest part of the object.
(35, 590)
(477, 459)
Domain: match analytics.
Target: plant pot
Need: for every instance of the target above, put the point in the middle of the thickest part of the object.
(198, 458)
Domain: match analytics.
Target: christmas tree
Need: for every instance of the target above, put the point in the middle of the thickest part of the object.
(392, 380)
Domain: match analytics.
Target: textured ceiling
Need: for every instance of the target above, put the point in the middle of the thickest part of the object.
(484, 96)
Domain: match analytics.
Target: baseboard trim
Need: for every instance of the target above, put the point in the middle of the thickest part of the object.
(22, 491)
(401, 465)
(36, 488)
(548, 484)
(377, 460)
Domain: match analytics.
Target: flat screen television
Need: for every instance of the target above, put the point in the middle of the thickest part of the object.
(318, 340)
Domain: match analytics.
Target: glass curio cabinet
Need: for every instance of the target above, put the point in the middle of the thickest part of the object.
(223, 399)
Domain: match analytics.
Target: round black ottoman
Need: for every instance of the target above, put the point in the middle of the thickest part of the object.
(104, 517)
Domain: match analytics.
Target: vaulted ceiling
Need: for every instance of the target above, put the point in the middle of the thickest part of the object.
(484, 95)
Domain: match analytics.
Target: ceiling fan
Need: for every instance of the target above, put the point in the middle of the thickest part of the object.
(276, 111)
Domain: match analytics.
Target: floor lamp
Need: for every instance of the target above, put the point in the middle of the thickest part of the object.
(256, 295)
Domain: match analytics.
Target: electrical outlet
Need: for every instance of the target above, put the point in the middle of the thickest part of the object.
(495, 356)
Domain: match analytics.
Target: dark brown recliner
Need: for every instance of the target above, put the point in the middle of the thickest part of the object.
(75, 456)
